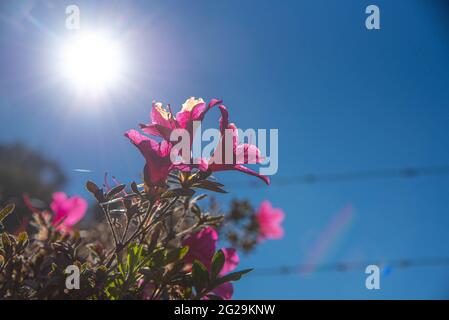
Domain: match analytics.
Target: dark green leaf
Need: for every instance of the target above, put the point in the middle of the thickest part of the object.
(213, 220)
(218, 262)
(180, 192)
(158, 257)
(209, 185)
(196, 210)
(154, 238)
(92, 187)
(200, 276)
(114, 191)
(198, 198)
(176, 255)
(234, 276)
(98, 193)
(134, 188)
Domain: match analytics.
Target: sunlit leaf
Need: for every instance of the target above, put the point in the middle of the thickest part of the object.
(6, 211)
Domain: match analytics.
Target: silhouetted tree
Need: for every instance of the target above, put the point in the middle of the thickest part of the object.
(26, 172)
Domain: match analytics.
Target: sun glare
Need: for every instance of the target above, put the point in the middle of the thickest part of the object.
(92, 62)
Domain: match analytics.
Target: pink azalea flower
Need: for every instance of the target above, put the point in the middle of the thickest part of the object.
(157, 157)
(232, 260)
(163, 122)
(269, 220)
(193, 109)
(225, 291)
(202, 246)
(242, 153)
(68, 211)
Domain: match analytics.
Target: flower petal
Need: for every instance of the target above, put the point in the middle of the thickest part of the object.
(213, 103)
(156, 130)
(68, 211)
(225, 291)
(248, 153)
(224, 119)
(231, 260)
(161, 116)
(269, 220)
(201, 246)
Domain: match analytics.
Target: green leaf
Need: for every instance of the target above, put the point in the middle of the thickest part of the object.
(22, 240)
(198, 198)
(6, 211)
(92, 187)
(179, 192)
(114, 191)
(6, 241)
(23, 236)
(196, 210)
(154, 237)
(209, 185)
(213, 220)
(234, 276)
(176, 255)
(134, 188)
(200, 276)
(184, 251)
(97, 192)
(218, 262)
(158, 258)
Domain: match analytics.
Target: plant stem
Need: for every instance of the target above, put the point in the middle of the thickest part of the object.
(110, 225)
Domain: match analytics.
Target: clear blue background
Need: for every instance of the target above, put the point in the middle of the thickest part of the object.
(343, 98)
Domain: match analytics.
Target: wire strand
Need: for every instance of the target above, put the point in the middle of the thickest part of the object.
(351, 266)
(406, 172)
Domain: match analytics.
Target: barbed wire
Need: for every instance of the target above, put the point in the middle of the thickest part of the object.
(361, 175)
(351, 266)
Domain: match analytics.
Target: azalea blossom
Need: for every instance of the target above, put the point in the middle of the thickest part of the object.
(202, 246)
(67, 211)
(242, 154)
(163, 122)
(269, 220)
(245, 153)
(157, 157)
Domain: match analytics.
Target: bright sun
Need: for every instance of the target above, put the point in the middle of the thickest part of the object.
(93, 62)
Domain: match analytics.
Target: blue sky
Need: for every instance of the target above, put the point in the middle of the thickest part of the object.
(343, 98)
